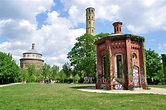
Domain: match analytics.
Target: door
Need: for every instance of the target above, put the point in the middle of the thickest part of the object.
(136, 76)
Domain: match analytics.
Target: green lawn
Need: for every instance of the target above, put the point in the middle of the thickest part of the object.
(158, 86)
(67, 97)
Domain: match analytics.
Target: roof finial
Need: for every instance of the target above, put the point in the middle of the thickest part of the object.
(33, 45)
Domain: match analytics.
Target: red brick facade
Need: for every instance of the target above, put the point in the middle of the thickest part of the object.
(126, 61)
(164, 66)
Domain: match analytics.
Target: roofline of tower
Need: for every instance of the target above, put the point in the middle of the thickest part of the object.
(90, 7)
(118, 22)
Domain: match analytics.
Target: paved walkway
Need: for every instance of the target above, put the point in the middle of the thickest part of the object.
(136, 91)
(9, 84)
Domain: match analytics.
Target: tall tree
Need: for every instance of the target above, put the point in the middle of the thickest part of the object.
(31, 72)
(153, 65)
(83, 55)
(46, 71)
(55, 70)
(67, 69)
(9, 70)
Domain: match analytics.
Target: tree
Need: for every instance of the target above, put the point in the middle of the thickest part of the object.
(23, 75)
(55, 70)
(61, 76)
(83, 55)
(67, 69)
(39, 76)
(153, 65)
(31, 72)
(76, 78)
(9, 70)
(46, 71)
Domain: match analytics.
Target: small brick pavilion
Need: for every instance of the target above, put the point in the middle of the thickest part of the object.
(120, 61)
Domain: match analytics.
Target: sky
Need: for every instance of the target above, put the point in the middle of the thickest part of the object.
(53, 25)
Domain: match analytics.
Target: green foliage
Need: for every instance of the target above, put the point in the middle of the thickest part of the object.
(101, 35)
(153, 65)
(76, 78)
(83, 55)
(9, 70)
(46, 71)
(55, 70)
(61, 76)
(67, 69)
(133, 37)
(31, 71)
(23, 75)
(38, 75)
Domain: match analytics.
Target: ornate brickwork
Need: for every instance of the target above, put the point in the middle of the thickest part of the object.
(164, 66)
(126, 53)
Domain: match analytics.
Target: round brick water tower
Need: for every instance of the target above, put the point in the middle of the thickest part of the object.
(31, 57)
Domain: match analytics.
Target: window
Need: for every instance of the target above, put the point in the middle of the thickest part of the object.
(105, 67)
(134, 56)
(89, 22)
(119, 66)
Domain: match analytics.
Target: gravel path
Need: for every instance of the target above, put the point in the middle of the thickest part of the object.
(9, 84)
(136, 91)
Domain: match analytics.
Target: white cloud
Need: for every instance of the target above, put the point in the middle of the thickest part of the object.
(139, 16)
(57, 35)
(161, 46)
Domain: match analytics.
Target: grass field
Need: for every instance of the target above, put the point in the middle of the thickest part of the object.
(67, 97)
(158, 86)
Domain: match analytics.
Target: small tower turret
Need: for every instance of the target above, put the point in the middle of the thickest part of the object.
(117, 27)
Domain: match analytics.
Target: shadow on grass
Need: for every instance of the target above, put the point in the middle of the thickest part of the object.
(82, 86)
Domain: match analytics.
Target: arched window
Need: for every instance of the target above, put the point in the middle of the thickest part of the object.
(89, 22)
(134, 56)
(105, 66)
(119, 66)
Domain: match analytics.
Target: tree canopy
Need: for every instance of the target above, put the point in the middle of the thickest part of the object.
(153, 65)
(9, 70)
(83, 55)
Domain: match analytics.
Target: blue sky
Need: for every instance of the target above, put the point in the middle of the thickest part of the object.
(53, 25)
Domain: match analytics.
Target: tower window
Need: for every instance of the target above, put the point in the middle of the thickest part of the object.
(89, 22)
(117, 28)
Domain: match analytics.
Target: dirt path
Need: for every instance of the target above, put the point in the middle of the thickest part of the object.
(9, 84)
(136, 91)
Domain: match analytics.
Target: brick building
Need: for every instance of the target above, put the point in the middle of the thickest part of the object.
(32, 57)
(164, 66)
(120, 61)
